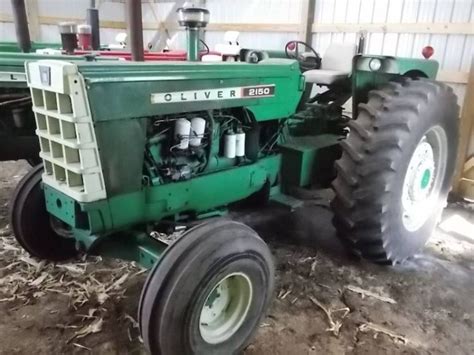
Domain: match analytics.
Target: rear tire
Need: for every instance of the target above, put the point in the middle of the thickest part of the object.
(396, 169)
(31, 222)
(208, 292)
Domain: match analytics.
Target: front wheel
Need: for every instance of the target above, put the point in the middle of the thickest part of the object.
(396, 169)
(31, 222)
(208, 292)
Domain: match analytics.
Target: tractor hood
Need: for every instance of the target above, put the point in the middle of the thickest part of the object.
(145, 89)
(12, 66)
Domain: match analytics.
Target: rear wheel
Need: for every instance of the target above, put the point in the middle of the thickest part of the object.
(208, 292)
(396, 169)
(31, 223)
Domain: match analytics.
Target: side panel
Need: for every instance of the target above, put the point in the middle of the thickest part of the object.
(155, 203)
(130, 90)
(122, 142)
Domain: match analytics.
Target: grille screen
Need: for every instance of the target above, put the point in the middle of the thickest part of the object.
(67, 140)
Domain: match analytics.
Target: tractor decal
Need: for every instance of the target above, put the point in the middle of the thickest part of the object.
(246, 92)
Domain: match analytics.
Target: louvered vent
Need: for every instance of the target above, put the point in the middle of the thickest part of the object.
(65, 130)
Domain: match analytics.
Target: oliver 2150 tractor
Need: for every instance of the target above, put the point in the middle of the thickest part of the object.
(128, 147)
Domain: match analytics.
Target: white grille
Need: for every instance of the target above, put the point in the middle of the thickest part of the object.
(65, 130)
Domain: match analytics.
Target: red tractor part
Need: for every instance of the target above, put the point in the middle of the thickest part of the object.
(148, 56)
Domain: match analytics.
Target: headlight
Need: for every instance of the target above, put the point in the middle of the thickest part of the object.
(375, 64)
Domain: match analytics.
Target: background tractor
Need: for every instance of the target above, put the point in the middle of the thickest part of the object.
(130, 149)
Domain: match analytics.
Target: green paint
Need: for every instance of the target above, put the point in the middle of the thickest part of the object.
(130, 245)
(199, 195)
(60, 205)
(133, 84)
(425, 180)
(123, 119)
(364, 80)
(192, 44)
(117, 226)
(12, 47)
(300, 158)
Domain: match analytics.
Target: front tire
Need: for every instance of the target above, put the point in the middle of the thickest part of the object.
(31, 222)
(208, 292)
(396, 169)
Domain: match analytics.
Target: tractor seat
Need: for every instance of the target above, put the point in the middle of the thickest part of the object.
(324, 77)
(336, 65)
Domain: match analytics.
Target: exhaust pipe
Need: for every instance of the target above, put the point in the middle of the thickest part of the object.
(193, 19)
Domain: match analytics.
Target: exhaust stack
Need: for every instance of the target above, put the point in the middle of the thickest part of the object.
(193, 18)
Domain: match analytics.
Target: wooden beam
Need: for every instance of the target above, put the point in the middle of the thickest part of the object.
(306, 21)
(158, 42)
(466, 131)
(33, 19)
(49, 20)
(441, 28)
(435, 28)
(253, 27)
(243, 27)
(438, 28)
(453, 77)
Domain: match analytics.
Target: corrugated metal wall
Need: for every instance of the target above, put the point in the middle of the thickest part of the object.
(257, 11)
(454, 52)
(63, 9)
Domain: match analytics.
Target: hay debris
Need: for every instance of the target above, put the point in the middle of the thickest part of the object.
(82, 347)
(368, 293)
(364, 328)
(26, 279)
(334, 325)
(92, 328)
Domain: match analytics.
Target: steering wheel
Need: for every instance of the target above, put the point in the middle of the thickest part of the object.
(291, 51)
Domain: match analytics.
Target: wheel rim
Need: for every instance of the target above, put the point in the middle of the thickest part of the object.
(225, 308)
(424, 178)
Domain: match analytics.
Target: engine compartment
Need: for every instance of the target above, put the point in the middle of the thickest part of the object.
(181, 146)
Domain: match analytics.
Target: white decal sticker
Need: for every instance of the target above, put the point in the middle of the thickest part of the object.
(246, 92)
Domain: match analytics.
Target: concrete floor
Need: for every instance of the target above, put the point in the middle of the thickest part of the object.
(326, 301)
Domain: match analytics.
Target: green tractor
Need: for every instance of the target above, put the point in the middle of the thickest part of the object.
(12, 47)
(130, 149)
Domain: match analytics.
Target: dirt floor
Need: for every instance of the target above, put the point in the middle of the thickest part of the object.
(326, 301)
